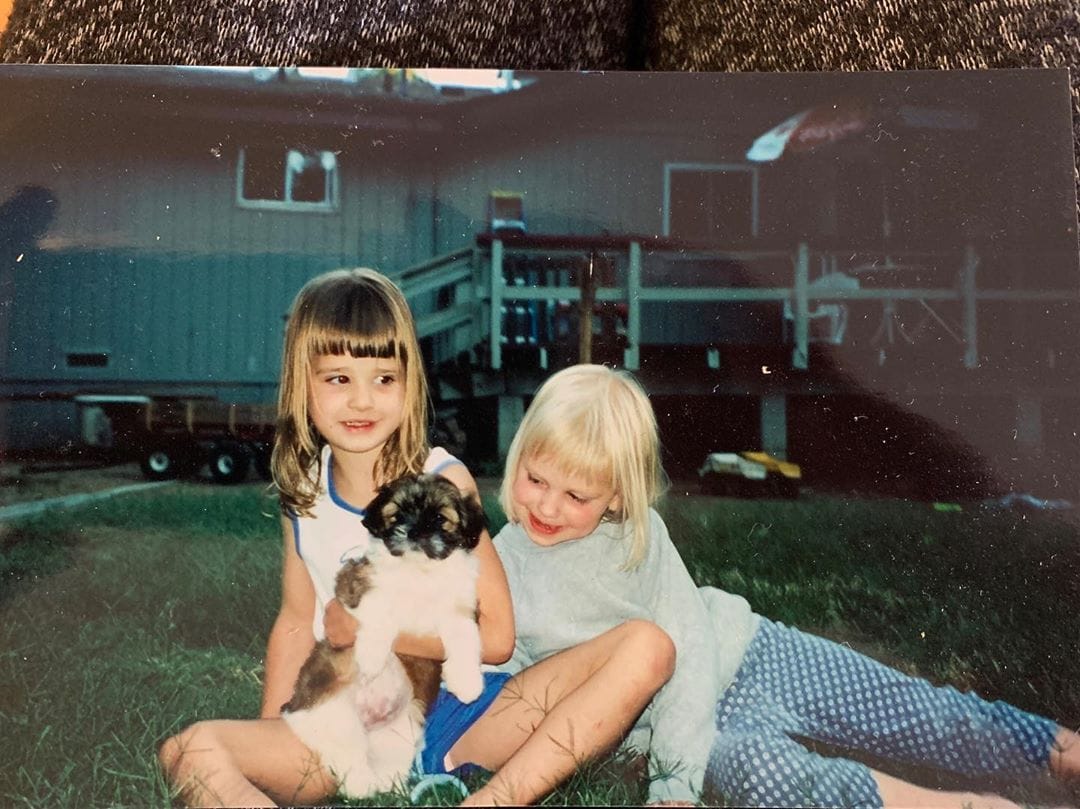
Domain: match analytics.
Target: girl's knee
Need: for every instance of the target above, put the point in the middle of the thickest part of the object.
(175, 748)
(652, 649)
(171, 751)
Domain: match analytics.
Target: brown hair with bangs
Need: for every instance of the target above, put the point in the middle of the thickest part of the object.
(361, 313)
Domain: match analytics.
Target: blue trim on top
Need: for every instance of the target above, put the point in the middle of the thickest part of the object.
(296, 532)
(332, 491)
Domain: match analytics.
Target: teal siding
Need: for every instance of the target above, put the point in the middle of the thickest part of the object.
(149, 260)
(160, 318)
(581, 182)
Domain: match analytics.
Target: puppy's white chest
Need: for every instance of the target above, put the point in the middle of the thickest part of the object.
(417, 590)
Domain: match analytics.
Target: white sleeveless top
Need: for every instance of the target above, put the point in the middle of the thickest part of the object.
(335, 532)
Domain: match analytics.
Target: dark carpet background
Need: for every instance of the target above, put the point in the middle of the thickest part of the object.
(736, 35)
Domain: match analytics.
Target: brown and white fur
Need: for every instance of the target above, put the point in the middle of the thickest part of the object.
(362, 709)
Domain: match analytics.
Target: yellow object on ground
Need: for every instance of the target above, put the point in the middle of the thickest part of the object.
(788, 470)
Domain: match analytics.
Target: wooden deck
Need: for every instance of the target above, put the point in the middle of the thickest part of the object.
(501, 314)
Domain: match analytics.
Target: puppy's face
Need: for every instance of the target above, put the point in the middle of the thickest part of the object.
(426, 514)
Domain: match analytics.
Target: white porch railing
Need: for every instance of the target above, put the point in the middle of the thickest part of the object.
(461, 298)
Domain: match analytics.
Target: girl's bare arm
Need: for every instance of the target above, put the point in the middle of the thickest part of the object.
(291, 637)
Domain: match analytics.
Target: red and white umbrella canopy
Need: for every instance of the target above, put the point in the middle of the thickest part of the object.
(811, 128)
(830, 123)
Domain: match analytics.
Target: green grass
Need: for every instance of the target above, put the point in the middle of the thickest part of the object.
(982, 599)
(120, 623)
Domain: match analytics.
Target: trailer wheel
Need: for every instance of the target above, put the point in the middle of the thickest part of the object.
(165, 460)
(229, 463)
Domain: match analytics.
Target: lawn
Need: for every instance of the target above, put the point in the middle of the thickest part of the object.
(123, 621)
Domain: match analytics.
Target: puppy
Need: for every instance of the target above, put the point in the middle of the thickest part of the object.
(362, 709)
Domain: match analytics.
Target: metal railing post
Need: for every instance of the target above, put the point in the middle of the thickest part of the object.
(632, 354)
(497, 284)
(801, 325)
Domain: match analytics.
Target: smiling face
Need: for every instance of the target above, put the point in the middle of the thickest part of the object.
(555, 507)
(356, 403)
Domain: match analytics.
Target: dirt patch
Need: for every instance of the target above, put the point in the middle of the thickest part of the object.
(21, 483)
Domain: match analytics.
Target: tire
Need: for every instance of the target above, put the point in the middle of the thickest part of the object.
(229, 462)
(165, 460)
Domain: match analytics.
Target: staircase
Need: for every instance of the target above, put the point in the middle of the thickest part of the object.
(442, 293)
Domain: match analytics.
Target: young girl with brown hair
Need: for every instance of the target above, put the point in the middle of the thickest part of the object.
(352, 416)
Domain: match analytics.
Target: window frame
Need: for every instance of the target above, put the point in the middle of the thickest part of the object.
(331, 202)
(704, 168)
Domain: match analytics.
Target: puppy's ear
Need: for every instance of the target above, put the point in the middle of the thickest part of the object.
(380, 511)
(473, 519)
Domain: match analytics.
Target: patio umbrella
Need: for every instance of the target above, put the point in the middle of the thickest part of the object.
(831, 123)
(846, 121)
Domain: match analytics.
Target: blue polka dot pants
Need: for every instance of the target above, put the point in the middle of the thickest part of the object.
(795, 684)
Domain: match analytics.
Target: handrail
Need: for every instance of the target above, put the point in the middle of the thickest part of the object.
(453, 271)
(430, 283)
(498, 293)
(435, 263)
(478, 294)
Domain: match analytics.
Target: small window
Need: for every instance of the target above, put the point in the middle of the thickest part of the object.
(87, 359)
(292, 179)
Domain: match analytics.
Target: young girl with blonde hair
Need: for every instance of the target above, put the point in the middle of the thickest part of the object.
(352, 416)
(585, 554)
(586, 683)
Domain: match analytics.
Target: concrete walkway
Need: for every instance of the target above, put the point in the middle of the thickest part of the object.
(32, 507)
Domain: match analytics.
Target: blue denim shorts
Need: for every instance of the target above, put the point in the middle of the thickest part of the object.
(449, 718)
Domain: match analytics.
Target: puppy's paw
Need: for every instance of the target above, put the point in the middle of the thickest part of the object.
(463, 681)
(368, 669)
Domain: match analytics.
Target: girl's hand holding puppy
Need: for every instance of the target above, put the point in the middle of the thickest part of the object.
(339, 626)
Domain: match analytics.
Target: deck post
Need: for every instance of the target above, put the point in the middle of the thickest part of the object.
(800, 308)
(497, 284)
(587, 284)
(632, 353)
(774, 425)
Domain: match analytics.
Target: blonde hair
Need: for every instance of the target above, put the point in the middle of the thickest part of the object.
(361, 313)
(595, 423)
